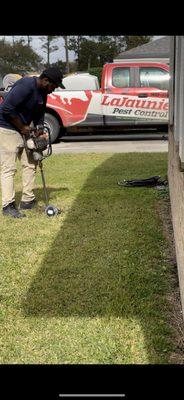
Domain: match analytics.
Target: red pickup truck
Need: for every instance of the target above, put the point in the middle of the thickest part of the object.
(133, 94)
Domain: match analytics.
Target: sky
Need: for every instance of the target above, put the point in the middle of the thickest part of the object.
(36, 44)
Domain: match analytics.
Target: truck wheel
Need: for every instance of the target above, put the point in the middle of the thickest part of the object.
(53, 124)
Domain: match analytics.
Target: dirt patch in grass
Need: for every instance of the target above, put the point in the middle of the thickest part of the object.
(175, 316)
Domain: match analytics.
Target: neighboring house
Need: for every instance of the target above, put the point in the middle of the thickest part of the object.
(156, 50)
(176, 151)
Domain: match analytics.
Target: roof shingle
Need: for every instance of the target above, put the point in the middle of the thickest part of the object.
(155, 48)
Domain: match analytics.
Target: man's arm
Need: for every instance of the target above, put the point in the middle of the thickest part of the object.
(39, 120)
(10, 106)
(17, 123)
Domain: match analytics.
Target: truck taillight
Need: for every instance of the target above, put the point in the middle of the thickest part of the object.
(159, 94)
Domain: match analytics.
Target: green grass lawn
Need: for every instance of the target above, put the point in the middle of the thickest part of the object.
(92, 284)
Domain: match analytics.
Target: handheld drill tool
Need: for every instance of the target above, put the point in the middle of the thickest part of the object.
(36, 145)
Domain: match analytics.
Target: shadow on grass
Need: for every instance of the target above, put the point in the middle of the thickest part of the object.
(95, 267)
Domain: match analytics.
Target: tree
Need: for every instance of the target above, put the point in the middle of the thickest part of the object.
(17, 58)
(49, 47)
(120, 44)
(88, 55)
(86, 51)
(134, 41)
(109, 47)
(75, 45)
(63, 66)
(97, 71)
(95, 51)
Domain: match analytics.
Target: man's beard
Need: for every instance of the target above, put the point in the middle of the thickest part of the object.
(45, 90)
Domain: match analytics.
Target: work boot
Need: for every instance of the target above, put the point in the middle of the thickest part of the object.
(27, 205)
(11, 210)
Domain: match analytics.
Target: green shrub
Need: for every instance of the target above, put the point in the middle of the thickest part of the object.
(97, 71)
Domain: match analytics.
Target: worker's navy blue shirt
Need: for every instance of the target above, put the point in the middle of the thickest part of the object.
(24, 100)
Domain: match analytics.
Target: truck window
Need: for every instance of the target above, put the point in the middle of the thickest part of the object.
(121, 77)
(154, 77)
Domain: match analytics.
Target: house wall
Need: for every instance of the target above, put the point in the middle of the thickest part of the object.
(176, 188)
(176, 153)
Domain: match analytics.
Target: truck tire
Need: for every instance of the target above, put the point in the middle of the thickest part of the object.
(53, 124)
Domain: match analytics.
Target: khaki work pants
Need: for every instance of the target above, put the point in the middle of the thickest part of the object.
(11, 148)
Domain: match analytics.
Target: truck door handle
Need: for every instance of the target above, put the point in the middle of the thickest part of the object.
(143, 95)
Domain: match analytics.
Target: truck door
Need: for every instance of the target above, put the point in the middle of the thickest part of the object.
(120, 83)
(152, 82)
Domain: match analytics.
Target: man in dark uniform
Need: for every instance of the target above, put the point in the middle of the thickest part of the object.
(24, 104)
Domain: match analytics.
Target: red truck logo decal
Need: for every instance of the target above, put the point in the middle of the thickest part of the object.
(72, 106)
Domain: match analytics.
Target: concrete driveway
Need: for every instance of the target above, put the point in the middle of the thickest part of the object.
(81, 145)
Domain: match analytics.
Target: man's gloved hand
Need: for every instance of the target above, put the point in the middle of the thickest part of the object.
(25, 130)
(38, 132)
(44, 135)
(41, 134)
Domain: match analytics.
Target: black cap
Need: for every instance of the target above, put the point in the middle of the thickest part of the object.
(55, 75)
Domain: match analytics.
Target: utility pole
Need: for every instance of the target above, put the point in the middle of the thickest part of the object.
(66, 52)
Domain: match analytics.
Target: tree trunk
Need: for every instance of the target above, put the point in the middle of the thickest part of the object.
(66, 53)
(28, 40)
(89, 62)
(48, 53)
